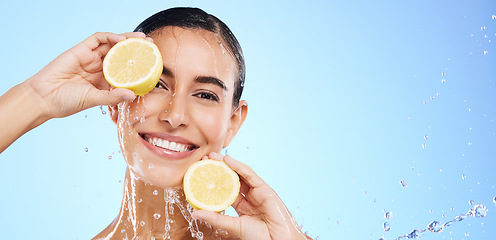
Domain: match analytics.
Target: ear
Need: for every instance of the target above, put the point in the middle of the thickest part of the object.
(114, 113)
(237, 119)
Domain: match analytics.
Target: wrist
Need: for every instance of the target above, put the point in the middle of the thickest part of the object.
(21, 109)
(32, 105)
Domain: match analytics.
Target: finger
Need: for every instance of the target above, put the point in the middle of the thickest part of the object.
(110, 97)
(216, 156)
(224, 222)
(134, 34)
(244, 188)
(101, 38)
(245, 172)
(242, 206)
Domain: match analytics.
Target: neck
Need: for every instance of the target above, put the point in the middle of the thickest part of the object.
(152, 212)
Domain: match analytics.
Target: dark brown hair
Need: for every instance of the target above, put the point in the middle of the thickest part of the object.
(195, 18)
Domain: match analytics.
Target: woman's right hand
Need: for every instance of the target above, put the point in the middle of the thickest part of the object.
(74, 80)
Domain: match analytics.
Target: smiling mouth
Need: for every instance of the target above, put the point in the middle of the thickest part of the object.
(168, 145)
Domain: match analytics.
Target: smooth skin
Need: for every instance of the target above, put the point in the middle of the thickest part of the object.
(74, 82)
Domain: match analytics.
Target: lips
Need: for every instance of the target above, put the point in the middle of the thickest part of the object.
(168, 146)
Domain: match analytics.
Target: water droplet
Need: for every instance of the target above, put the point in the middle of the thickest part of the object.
(388, 215)
(140, 200)
(485, 52)
(155, 192)
(424, 145)
(464, 176)
(443, 74)
(443, 216)
(494, 200)
(151, 166)
(86, 149)
(443, 80)
(109, 157)
(466, 234)
(415, 234)
(386, 227)
(480, 210)
(123, 231)
(435, 227)
(471, 202)
(142, 223)
(494, 17)
(447, 224)
(452, 208)
(156, 216)
(426, 137)
(103, 111)
(460, 217)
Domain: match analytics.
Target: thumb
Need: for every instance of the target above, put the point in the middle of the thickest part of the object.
(112, 96)
(224, 222)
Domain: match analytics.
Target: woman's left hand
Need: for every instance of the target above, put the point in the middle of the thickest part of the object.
(262, 214)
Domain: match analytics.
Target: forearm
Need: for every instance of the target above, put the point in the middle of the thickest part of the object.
(21, 109)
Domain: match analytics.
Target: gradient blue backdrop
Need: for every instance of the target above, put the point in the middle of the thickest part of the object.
(342, 97)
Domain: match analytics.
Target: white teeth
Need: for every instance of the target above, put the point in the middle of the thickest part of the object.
(174, 146)
(165, 144)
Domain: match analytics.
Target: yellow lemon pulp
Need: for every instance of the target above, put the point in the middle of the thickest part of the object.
(135, 64)
(211, 185)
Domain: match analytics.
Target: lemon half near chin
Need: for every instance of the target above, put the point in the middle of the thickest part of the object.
(211, 185)
(135, 64)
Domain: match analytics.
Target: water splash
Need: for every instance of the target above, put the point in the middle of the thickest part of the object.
(103, 111)
(477, 211)
(386, 227)
(387, 215)
(435, 227)
(403, 183)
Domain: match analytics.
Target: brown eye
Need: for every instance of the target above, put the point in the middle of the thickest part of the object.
(161, 84)
(207, 96)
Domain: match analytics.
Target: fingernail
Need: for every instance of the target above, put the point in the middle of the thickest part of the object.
(128, 97)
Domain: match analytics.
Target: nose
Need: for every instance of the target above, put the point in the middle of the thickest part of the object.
(175, 112)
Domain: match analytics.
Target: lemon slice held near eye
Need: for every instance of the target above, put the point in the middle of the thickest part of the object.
(135, 64)
(211, 185)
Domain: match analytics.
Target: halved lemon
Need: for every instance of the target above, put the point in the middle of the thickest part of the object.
(211, 185)
(135, 64)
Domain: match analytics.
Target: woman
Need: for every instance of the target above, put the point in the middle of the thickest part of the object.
(194, 111)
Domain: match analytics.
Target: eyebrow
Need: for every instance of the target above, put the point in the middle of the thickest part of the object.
(200, 79)
(211, 80)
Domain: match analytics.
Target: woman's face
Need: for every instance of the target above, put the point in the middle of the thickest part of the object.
(190, 112)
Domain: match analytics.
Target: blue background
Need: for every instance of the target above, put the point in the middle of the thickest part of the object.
(342, 96)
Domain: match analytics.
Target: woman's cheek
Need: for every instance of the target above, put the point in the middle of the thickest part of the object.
(213, 124)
